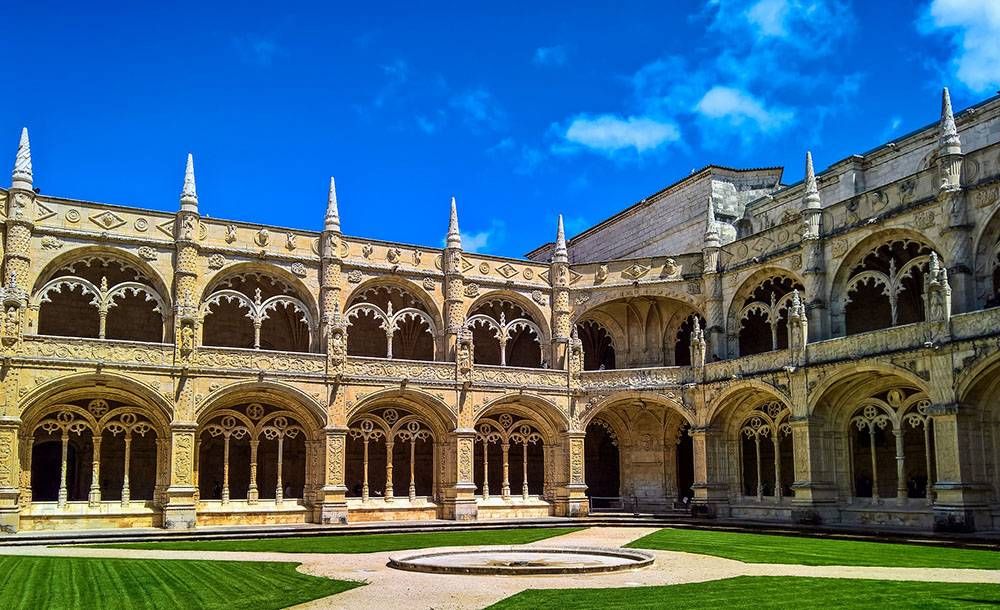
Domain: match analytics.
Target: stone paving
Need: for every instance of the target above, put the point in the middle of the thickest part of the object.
(391, 589)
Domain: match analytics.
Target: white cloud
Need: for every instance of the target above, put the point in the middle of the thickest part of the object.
(974, 26)
(550, 56)
(611, 134)
(741, 110)
(478, 108)
(476, 242)
(811, 26)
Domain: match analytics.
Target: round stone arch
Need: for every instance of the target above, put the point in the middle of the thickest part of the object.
(539, 317)
(673, 290)
(551, 420)
(154, 289)
(617, 398)
(140, 407)
(415, 290)
(979, 420)
(985, 265)
(863, 375)
(438, 415)
(275, 393)
(745, 392)
(301, 291)
(870, 460)
(89, 385)
(154, 276)
(837, 297)
(747, 288)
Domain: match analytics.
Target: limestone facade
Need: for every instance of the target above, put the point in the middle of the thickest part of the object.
(827, 352)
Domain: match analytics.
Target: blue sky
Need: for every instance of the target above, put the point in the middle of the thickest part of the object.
(520, 110)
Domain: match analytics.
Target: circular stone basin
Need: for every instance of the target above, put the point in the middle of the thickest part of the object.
(514, 560)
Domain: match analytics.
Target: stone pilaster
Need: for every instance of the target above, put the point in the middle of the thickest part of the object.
(957, 500)
(957, 234)
(570, 486)
(333, 495)
(710, 494)
(333, 327)
(10, 468)
(715, 315)
(459, 486)
(180, 510)
(815, 492)
(559, 280)
(813, 263)
(21, 213)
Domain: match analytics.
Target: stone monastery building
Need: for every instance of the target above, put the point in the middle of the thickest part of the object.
(827, 351)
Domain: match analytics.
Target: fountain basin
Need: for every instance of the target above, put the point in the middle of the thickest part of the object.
(522, 560)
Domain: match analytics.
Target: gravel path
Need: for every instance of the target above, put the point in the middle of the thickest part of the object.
(388, 589)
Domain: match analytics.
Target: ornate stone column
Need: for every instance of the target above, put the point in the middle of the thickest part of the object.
(569, 481)
(958, 501)
(715, 315)
(813, 263)
(710, 491)
(333, 495)
(459, 486)
(957, 234)
(10, 469)
(815, 492)
(559, 280)
(180, 512)
(454, 285)
(186, 229)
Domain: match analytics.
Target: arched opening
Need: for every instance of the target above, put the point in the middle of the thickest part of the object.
(598, 346)
(389, 322)
(96, 451)
(646, 331)
(509, 458)
(253, 310)
(763, 316)
(888, 460)
(601, 466)
(886, 287)
(390, 455)
(685, 464)
(252, 452)
(101, 297)
(682, 349)
(504, 334)
(766, 448)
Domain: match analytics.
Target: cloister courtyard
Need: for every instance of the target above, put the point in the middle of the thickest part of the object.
(692, 567)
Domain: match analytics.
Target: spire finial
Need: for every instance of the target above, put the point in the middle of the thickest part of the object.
(22, 175)
(454, 237)
(711, 227)
(560, 254)
(810, 200)
(189, 194)
(332, 222)
(949, 142)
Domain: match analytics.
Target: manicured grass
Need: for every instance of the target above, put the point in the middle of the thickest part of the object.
(74, 582)
(360, 543)
(765, 592)
(765, 548)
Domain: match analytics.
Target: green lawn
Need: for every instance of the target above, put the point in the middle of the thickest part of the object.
(765, 548)
(765, 592)
(359, 543)
(74, 582)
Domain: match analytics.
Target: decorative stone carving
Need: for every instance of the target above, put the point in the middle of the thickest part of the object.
(539, 297)
(602, 273)
(428, 284)
(507, 270)
(50, 242)
(635, 271)
(141, 225)
(484, 268)
(107, 220)
(147, 253)
(354, 276)
(298, 269)
(392, 255)
(528, 274)
(471, 290)
(289, 241)
(367, 250)
(216, 261)
(73, 215)
(262, 238)
(230, 234)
